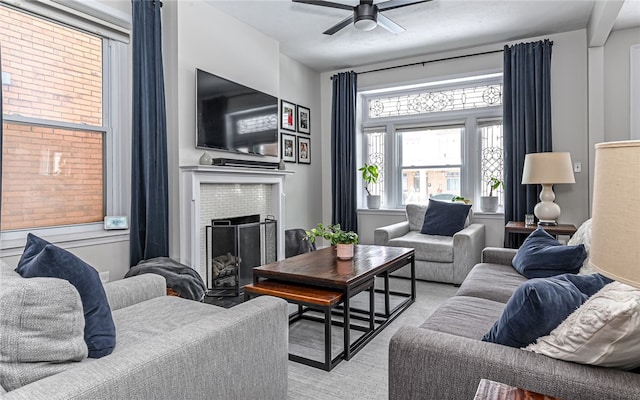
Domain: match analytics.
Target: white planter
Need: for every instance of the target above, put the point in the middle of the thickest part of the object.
(489, 204)
(373, 201)
(345, 251)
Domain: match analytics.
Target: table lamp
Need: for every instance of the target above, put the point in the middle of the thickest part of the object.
(615, 229)
(547, 169)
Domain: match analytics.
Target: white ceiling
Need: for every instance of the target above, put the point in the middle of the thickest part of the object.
(436, 26)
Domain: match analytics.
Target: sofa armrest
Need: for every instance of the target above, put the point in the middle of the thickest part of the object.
(133, 290)
(467, 246)
(381, 236)
(450, 367)
(239, 353)
(498, 255)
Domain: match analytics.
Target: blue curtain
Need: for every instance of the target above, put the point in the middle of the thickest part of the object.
(149, 235)
(1, 136)
(343, 151)
(527, 123)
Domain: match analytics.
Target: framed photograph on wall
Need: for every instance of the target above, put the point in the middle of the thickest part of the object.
(288, 147)
(288, 116)
(304, 150)
(304, 120)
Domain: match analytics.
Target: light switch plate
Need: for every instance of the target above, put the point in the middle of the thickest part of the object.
(112, 222)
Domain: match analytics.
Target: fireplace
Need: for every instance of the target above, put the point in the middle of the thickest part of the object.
(212, 193)
(234, 246)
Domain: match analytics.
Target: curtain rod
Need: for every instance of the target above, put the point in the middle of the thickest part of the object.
(430, 61)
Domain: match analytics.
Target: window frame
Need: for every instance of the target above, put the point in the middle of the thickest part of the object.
(116, 128)
(470, 179)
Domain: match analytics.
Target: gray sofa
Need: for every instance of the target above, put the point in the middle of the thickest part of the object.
(169, 348)
(438, 258)
(444, 358)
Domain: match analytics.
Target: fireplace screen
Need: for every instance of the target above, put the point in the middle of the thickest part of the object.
(234, 246)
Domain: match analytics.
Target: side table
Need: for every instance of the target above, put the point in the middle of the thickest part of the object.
(555, 230)
(490, 390)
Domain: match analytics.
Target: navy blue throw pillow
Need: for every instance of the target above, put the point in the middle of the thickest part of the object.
(444, 219)
(541, 256)
(538, 306)
(43, 259)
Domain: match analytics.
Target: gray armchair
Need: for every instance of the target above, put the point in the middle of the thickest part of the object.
(438, 258)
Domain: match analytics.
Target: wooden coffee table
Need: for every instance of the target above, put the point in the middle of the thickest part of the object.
(322, 270)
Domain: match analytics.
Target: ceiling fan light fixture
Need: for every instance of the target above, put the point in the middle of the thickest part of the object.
(365, 17)
(365, 24)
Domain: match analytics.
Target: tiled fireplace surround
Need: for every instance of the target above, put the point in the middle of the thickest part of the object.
(210, 192)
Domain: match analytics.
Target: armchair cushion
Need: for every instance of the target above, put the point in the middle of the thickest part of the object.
(432, 248)
(43, 259)
(541, 256)
(444, 219)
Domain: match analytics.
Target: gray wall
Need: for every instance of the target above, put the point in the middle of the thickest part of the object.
(616, 83)
(197, 35)
(569, 112)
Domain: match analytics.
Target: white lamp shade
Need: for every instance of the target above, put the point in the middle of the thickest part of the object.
(547, 168)
(615, 234)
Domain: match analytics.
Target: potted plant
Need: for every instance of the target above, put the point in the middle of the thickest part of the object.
(370, 176)
(343, 241)
(490, 203)
(460, 199)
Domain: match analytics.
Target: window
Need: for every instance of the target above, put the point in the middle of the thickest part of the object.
(55, 133)
(442, 140)
(431, 159)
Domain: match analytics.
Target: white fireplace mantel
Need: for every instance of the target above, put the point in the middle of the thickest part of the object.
(193, 177)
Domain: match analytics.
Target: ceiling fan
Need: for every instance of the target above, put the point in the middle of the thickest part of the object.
(366, 15)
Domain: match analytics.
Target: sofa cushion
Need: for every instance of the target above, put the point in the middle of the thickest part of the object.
(464, 316)
(43, 259)
(427, 247)
(541, 256)
(603, 331)
(540, 305)
(444, 219)
(156, 316)
(492, 282)
(41, 329)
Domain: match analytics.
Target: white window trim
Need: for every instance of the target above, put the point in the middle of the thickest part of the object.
(117, 127)
(90, 16)
(471, 163)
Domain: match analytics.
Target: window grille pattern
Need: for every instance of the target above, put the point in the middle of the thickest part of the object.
(435, 101)
(375, 156)
(491, 161)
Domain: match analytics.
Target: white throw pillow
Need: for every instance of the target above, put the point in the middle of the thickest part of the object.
(583, 236)
(603, 331)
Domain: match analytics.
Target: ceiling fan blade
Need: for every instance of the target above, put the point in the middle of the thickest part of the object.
(344, 23)
(388, 24)
(325, 4)
(390, 5)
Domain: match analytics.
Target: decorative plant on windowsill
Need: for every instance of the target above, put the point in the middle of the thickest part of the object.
(460, 199)
(342, 240)
(370, 175)
(490, 203)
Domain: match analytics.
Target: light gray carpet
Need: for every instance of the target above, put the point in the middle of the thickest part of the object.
(365, 375)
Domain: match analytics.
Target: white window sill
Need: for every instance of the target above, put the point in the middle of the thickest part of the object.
(12, 242)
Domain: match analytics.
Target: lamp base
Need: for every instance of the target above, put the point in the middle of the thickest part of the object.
(547, 223)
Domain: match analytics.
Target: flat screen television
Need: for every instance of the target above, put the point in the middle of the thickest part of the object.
(233, 117)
